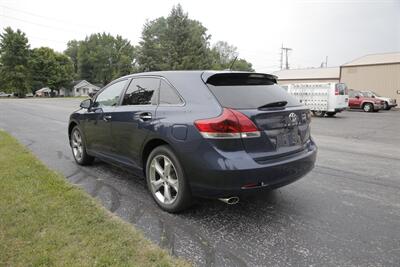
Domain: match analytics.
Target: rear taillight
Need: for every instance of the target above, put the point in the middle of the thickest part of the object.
(336, 91)
(230, 124)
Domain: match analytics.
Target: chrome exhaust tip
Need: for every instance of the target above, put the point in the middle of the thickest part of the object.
(230, 200)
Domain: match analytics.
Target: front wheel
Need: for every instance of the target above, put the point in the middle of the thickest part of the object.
(78, 147)
(368, 107)
(386, 106)
(166, 181)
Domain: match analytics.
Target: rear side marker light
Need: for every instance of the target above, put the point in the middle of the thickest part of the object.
(231, 124)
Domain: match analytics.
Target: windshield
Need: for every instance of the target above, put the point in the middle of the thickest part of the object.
(376, 94)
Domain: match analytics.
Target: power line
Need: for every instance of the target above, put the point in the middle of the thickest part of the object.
(38, 24)
(45, 39)
(48, 18)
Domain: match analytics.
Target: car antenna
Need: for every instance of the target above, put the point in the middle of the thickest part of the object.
(233, 62)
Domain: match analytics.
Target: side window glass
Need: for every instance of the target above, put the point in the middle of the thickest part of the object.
(168, 95)
(110, 96)
(142, 91)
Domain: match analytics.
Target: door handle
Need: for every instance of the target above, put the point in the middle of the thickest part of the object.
(107, 117)
(145, 116)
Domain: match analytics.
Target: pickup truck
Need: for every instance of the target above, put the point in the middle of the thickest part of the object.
(388, 102)
(358, 101)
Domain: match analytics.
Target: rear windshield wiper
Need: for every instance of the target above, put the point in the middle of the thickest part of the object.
(278, 104)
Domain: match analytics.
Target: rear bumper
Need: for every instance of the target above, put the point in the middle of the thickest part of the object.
(230, 178)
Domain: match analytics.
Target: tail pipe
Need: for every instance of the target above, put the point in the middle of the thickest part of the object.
(230, 200)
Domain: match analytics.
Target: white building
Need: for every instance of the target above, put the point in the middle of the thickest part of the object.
(79, 88)
(45, 91)
(377, 72)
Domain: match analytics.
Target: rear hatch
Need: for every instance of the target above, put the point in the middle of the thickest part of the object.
(282, 120)
(341, 95)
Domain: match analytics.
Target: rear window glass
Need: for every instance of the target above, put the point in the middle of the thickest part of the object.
(251, 96)
(341, 88)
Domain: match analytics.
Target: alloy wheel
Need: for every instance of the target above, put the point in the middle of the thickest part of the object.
(367, 108)
(77, 146)
(164, 179)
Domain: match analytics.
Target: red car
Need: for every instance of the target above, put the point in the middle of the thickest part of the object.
(368, 104)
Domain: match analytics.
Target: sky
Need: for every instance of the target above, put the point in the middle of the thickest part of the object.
(341, 30)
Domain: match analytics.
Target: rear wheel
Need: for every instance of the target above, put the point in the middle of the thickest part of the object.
(368, 107)
(166, 181)
(331, 114)
(78, 147)
(318, 113)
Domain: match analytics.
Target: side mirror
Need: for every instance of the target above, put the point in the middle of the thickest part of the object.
(373, 96)
(357, 96)
(86, 104)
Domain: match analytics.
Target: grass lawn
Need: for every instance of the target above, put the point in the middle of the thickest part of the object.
(45, 221)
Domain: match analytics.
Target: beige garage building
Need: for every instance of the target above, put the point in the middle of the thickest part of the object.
(308, 75)
(377, 72)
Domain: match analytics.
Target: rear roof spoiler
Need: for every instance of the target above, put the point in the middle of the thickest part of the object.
(237, 78)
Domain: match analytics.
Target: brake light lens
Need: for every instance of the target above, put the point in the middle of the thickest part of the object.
(230, 124)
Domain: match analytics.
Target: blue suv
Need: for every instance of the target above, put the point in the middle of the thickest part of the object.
(215, 134)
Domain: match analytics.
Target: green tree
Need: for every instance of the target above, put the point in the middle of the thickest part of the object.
(64, 73)
(72, 53)
(14, 56)
(174, 43)
(51, 69)
(103, 57)
(224, 55)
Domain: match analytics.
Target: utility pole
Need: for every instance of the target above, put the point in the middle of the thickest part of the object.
(286, 50)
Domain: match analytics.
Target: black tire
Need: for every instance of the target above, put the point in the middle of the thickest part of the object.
(331, 114)
(318, 113)
(85, 158)
(386, 106)
(368, 107)
(183, 198)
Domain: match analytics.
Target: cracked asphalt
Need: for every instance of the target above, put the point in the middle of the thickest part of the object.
(346, 212)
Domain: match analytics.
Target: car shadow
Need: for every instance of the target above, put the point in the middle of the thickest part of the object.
(126, 195)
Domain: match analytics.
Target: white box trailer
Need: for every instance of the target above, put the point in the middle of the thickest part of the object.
(321, 98)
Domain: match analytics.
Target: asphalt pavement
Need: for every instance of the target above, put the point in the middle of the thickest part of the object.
(346, 212)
